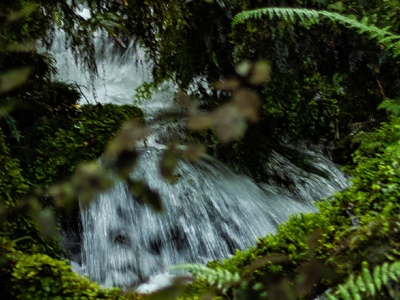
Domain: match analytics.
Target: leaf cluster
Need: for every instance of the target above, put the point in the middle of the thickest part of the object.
(382, 35)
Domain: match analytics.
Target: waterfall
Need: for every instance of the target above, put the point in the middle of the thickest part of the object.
(209, 212)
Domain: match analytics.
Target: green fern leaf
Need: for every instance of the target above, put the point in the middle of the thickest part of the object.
(361, 285)
(344, 293)
(353, 288)
(377, 277)
(368, 283)
(385, 273)
(366, 274)
(395, 269)
(381, 35)
(331, 297)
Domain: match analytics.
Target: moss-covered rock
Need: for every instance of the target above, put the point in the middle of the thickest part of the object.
(49, 150)
(38, 276)
(52, 148)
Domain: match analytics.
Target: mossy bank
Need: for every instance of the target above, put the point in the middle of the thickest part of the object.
(48, 150)
(354, 235)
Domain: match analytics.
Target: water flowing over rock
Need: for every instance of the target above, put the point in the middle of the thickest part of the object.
(209, 212)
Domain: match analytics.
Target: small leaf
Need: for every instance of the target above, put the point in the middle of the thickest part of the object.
(266, 260)
(215, 60)
(142, 192)
(395, 269)
(353, 288)
(243, 69)
(64, 194)
(360, 284)
(227, 85)
(169, 162)
(260, 73)
(368, 278)
(125, 162)
(200, 122)
(194, 152)
(248, 103)
(338, 6)
(187, 102)
(90, 179)
(331, 297)
(344, 293)
(127, 138)
(377, 278)
(46, 222)
(229, 124)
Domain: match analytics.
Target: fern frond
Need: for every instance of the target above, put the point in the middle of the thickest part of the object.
(368, 283)
(220, 278)
(354, 290)
(382, 35)
(377, 278)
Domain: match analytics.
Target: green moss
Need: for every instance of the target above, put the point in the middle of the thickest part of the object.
(62, 143)
(49, 150)
(39, 276)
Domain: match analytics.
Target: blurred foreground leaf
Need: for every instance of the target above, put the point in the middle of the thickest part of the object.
(46, 222)
(88, 180)
(142, 192)
(229, 124)
(28, 8)
(248, 103)
(125, 162)
(194, 152)
(126, 140)
(227, 85)
(22, 47)
(200, 122)
(268, 260)
(260, 73)
(13, 78)
(169, 162)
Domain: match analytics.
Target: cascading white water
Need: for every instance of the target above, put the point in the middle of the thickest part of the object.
(209, 212)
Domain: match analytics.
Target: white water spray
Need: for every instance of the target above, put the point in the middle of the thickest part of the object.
(208, 214)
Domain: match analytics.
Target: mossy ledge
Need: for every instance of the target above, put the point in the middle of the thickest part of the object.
(315, 252)
(38, 276)
(49, 149)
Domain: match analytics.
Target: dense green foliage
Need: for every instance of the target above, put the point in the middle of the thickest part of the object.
(81, 136)
(354, 232)
(12, 183)
(325, 87)
(38, 276)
